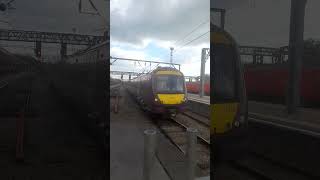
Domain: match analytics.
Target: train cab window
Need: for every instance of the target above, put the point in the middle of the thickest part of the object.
(224, 73)
(169, 84)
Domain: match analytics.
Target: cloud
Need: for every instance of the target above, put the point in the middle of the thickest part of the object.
(165, 20)
(189, 57)
(149, 28)
(125, 53)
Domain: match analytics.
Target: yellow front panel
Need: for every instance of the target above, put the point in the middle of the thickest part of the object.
(219, 38)
(171, 98)
(222, 117)
(169, 73)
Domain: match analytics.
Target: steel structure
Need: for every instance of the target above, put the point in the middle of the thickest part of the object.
(125, 73)
(222, 15)
(7, 5)
(114, 59)
(49, 37)
(258, 53)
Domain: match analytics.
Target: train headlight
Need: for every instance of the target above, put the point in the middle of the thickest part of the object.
(240, 121)
(185, 99)
(156, 99)
(236, 124)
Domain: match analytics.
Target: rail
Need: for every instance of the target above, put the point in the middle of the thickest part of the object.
(299, 127)
(3, 84)
(176, 132)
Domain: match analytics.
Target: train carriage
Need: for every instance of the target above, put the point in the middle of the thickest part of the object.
(229, 112)
(163, 91)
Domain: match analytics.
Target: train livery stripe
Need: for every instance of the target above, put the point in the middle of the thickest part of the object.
(219, 38)
(222, 116)
(169, 73)
(171, 98)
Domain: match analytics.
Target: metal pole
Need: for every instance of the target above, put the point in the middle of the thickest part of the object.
(295, 53)
(171, 55)
(191, 153)
(149, 152)
(202, 71)
(222, 18)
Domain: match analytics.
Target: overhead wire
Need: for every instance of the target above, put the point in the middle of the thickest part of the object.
(198, 37)
(187, 35)
(205, 22)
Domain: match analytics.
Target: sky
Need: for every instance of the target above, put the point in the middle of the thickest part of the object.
(147, 29)
(266, 22)
(53, 16)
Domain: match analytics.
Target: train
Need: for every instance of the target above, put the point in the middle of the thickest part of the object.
(162, 91)
(14, 63)
(228, 102)
(194, 87)
(81, 80)
(269, 82)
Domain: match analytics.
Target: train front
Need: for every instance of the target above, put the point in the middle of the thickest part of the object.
(229, 111)
(169, 91)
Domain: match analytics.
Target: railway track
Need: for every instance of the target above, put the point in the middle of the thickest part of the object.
(3, 84)
(175, 130)
(259, 167)
(198, 117)
(275, 156)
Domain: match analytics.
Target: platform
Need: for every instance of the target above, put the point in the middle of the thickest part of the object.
(306, 121)
(127, 144)
(203, 178)
(199, 105)
(197, 98)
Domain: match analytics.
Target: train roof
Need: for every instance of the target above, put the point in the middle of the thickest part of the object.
(164, 69)
(159, 69)
(220, 36)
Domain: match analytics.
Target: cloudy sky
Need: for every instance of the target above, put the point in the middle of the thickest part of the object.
(266, 22)
(146, 29)
(53, 16)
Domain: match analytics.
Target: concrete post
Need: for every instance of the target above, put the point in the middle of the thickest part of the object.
(37, 50)
(63, 51)
(295, 53)
(202, 71)
(149, 152)
(191, 153)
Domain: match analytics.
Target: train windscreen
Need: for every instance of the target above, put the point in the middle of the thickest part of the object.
(224, 73)
(169, 84)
